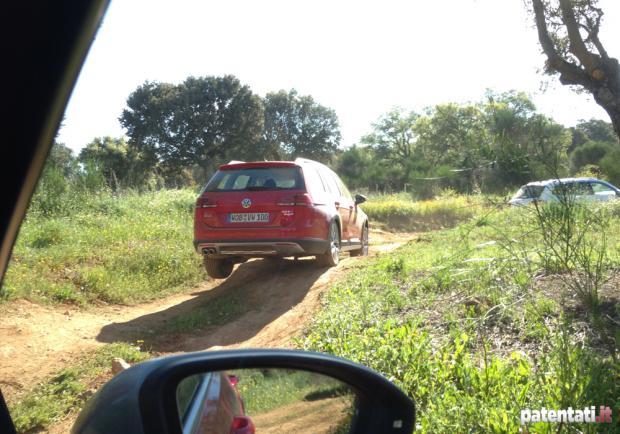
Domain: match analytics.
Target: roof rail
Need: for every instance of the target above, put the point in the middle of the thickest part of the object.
(303, 160)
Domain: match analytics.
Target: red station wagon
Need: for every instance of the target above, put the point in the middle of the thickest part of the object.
(277, 209)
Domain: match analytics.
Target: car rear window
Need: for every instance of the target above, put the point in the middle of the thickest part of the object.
(529, 192)
(256, 179)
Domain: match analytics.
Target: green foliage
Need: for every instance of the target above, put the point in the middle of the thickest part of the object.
(394, 136)
(67, 390)
(201, 122)
(61, 157)
(192, 127)
(101, 247)
(459, 321)
(215, 312)
(298, 126)
(402, 213)
(573, 241)
(610, 166)
(119, 165)
(588, 153)
(490, 146)
(594, 130)
(264, 390)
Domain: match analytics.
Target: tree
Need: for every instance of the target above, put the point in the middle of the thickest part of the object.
(590, 153)
(598, 130)
(201, 122)
(61, 157)
(525, 145)
(568, 31)
(394, 137)
(119, 165)
(354, 166)
(298, 126)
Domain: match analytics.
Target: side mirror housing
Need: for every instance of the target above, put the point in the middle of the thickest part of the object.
(360, 198)
(145, 398)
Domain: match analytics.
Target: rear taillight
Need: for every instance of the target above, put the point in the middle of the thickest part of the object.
(234, 380)
(205, 202)
(242, 425)
(287, 217)
(296, 200)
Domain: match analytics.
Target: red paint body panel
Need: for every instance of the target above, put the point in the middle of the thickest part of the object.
(278, 214)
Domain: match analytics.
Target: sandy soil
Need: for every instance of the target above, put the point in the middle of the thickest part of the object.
(40, 340)
(319, 417)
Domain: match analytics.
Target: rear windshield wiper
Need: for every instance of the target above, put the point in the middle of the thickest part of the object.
(259, 187)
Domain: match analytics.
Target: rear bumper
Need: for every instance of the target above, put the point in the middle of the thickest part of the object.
(257, 248)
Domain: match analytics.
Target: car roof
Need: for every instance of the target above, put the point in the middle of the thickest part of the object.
(561, 181)
(234, 164)
(256, 164)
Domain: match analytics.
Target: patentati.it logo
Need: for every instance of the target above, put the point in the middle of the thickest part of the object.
(569, 415)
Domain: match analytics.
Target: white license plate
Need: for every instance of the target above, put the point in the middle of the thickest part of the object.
(249, 217)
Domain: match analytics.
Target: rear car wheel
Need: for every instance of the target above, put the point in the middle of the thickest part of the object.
(363, 251)
(332, 256)
(218, 268)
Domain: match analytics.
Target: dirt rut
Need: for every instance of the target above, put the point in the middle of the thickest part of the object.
(279, 298)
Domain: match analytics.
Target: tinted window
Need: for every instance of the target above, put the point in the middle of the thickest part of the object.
(314, 183)
(268, 178)
(328, 179)
(573, 188)
(343, 188)
(599, 187)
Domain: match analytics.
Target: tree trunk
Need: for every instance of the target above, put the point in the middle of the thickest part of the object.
(598, 73)
(608, 97)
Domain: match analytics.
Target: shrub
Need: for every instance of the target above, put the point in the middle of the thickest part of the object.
(400, 212)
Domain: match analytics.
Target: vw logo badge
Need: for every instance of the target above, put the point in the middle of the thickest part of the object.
(246, 203)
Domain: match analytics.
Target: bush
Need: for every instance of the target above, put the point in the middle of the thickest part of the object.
(458, 323)
(589, 153)
(399, 211)
(115, 248)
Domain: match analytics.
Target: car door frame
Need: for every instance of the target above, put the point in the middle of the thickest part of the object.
(354, 229)
(608, 186)
(337, 201)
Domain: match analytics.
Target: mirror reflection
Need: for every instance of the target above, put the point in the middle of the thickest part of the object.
(246, 401)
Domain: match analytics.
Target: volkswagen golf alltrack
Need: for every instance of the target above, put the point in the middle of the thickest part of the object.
(277, 209)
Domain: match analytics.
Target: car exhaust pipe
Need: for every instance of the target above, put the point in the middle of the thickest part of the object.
(208, 251)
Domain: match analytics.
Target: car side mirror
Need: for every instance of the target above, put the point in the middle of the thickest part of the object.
(247, 391)
(360, 198)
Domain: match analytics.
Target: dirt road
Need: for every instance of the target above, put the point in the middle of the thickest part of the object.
(280, 298)
(324, 416)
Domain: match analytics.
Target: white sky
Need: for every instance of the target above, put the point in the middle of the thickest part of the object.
(360, 58)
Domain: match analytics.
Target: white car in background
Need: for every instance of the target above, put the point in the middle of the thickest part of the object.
(584, 189)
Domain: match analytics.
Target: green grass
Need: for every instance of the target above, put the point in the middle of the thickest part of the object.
(67, 391)
(401, 212)
(468, 329)
(265, 390)
(115, 249)
(216, 311)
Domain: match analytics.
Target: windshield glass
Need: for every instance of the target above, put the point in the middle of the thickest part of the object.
(330, 176)
(268, 178)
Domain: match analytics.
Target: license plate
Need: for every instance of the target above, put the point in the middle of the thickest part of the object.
(249, 217)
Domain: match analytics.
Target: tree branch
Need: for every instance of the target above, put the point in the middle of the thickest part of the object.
(569, 72)
(577, 45)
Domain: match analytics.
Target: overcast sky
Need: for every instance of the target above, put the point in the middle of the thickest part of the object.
(360, 58)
